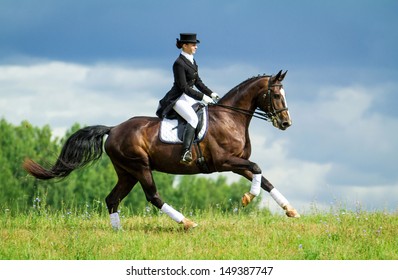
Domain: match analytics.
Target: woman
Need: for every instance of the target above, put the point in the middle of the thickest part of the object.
(182, 95)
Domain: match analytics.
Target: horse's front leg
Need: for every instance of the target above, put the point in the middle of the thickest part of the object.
(252, 172)
(279, 198)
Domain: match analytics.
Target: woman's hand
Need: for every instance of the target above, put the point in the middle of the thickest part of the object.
(207, 99)
(215, 96)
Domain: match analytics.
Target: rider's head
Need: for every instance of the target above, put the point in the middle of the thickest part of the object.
(187, 42)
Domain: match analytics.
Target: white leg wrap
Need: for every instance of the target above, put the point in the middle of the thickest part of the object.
(174, 214)
(279, 198)
(256, 184)
(115, 220)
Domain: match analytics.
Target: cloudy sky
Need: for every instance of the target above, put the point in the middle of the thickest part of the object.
(101, 62)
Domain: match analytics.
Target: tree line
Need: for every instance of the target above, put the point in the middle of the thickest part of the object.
(89, 186)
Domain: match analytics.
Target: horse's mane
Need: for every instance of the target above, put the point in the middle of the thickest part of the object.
(249, 80)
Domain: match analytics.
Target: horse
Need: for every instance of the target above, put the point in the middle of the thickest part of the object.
(135, 149)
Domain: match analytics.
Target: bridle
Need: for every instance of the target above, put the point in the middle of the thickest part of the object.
(271, 115)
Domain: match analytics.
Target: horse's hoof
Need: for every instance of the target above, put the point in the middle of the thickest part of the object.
(291, 212)
(188, 224)
(247, 198)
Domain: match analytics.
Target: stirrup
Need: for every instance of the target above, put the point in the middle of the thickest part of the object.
(186, 157)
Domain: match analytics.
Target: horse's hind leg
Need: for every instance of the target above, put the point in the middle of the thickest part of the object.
(125, 184)
(152, 195)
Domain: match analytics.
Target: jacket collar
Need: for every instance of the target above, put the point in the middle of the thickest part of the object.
(188, 56)
(186, 60)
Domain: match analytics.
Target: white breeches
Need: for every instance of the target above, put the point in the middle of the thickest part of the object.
(183, 107)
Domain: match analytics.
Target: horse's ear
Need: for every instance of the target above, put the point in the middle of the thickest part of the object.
(282, 76)
(277, 77)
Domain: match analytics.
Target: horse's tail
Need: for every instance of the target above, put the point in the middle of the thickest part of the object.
(81, 148)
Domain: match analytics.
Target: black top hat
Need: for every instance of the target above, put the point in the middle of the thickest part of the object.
(188, 38)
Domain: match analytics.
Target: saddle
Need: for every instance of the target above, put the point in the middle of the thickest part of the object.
(172, 127)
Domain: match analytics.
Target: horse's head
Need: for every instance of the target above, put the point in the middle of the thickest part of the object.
(262, 92)
(273, 102)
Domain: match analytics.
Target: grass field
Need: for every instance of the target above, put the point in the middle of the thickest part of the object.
(336, 235)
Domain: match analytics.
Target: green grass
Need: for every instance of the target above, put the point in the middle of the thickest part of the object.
(42, 235)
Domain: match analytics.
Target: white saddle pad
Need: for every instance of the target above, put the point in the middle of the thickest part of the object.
(168, 130)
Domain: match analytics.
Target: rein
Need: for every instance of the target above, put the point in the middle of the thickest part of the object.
(257, 114)
(266, 116)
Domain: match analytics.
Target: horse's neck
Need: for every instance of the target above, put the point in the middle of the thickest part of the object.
(242, 102)
(245, 96)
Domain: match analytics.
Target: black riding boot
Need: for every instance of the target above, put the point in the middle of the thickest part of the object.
(189, 134)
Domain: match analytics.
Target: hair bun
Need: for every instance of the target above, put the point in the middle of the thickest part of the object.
(179, 43)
